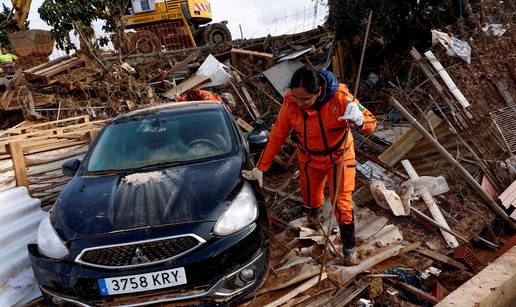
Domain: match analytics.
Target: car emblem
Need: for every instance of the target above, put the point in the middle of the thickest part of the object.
(139, 257)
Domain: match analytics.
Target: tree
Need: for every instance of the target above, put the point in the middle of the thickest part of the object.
(61, 15)
(391, 17)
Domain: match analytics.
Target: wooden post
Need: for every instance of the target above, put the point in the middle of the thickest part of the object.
(432, 206)
(20, 171)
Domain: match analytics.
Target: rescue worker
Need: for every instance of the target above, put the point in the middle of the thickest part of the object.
(6, 57)
(194, 95)
(319, 109)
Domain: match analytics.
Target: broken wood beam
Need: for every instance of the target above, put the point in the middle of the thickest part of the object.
(408, 140)
(194, 81)
(441, 258)
(249, 99)
(418, 292)
(447, 79)
(20, 170)
(305, 286)
(432, 206)
(467, 176)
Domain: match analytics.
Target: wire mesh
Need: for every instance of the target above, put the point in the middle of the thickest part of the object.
(169, 35)
(503, 120)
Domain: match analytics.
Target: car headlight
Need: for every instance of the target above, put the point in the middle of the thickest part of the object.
(49, 243)
(242, 211)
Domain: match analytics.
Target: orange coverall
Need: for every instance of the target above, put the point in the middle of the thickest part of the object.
(193, 95)
(321, 145)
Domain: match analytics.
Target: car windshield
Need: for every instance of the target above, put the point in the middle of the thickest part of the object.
(160, 139)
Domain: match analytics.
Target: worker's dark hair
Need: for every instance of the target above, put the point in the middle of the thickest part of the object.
(308, 78)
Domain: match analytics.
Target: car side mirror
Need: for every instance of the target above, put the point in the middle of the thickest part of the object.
(70, 167)
(257, 141)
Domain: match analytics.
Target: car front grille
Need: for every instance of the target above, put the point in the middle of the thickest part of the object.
(140, 253)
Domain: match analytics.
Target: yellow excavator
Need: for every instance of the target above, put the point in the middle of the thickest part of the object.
(32, 46)
(171, 24)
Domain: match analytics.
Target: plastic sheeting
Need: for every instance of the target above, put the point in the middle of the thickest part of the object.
(454, 47)
(19, 220)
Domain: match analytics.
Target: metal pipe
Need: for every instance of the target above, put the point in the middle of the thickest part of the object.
(448, 230)
(441, 150)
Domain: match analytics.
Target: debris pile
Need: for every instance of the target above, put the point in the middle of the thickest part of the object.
(434, 191)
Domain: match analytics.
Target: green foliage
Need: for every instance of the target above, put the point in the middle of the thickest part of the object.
(347, 18)
(3, 31)
(60, 15)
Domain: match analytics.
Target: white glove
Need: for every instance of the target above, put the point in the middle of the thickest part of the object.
(353, 114)
(255, 174)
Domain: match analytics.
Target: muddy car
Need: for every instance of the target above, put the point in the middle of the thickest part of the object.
(157, 212)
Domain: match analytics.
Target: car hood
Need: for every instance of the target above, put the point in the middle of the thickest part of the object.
(197, 192)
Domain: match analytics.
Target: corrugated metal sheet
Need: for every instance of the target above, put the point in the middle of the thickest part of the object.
(508, 197)
(279, 75)
(19, 219)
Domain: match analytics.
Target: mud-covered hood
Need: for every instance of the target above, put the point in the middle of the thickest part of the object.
(99, 204)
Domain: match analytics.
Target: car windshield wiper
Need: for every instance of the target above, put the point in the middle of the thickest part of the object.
(132, 170)
(106, 172)
(160, 164)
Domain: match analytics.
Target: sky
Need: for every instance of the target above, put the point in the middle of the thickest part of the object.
(256, 17)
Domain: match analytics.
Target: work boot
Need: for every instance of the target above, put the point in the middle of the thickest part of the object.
(349, 244)
(313, 217)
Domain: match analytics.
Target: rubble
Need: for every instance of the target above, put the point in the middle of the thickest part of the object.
(459, 112)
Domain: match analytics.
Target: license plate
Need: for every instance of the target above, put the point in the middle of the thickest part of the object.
(142, 282)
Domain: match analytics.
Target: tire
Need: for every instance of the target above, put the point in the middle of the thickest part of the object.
(215, 34)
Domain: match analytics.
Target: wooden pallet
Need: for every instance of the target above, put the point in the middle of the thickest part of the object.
(32, 155)
(47, 72)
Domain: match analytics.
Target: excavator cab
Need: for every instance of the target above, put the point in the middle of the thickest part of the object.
(170, 25)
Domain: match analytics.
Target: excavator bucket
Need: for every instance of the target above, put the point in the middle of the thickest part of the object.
(32, 42)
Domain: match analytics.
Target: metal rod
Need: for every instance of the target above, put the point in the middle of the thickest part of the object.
(335, 194)
(448, 230)
(446, 155)
(364, 46)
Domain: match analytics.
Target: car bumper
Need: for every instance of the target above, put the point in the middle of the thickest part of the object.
(72, 283)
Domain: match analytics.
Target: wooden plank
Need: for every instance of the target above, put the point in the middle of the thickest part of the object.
(432, 206)
(55, 146)
(20, 170)
(305, 286)
(244, 125)
(252, 53)
(8, 95)
(398, 150)
(447, 79)
(247, 96)
(41, 72)
(420, 293)
(508, 196)
(348, 295)
(186, 85)
(442, 258)
(47, 64)
(63, 68)
(22, 130)
(299, 277)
